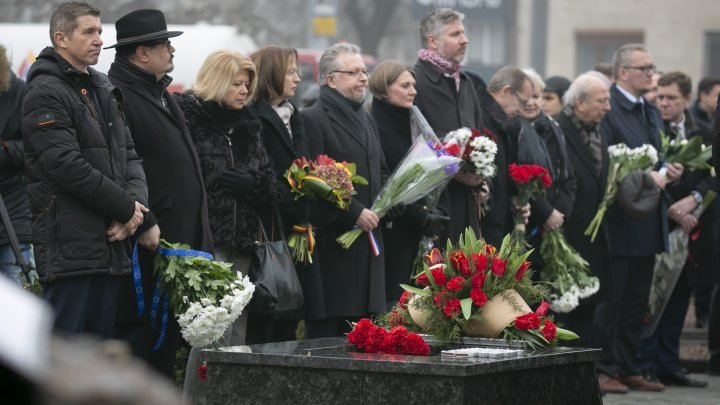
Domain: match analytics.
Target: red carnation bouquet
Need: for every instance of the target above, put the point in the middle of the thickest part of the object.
(530, 181)
(322, 179)
(475, 289)
(398, 340)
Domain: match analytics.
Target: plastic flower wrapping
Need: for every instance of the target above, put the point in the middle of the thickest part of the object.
(477, 150)
(459, 287)
(425, 167)
(623, 160)
(205, 295)
(322, 179)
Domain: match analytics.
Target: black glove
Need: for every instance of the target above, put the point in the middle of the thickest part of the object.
(396, 211)
(236, 182)
(434, 223)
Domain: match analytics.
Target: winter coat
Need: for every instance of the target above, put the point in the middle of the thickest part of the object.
(282, 150)
(177, 196)
(82, 169)
(225, 139)
(625, 123)
(354, 279)
(446, 109)
(589, 194)
(13, 185)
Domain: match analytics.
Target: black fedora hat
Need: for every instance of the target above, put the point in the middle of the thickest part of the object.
(142, 26)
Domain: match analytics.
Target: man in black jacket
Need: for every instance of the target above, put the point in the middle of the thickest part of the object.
(87, 186)
(178, 204)
(707, 96)
(12, 167)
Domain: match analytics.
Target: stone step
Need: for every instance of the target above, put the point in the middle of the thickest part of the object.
(693, 349)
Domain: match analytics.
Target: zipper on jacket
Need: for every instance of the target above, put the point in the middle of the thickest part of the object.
(232, 164)
(52, 214)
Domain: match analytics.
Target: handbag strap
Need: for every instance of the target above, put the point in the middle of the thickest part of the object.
(262, 235)
(20, 259)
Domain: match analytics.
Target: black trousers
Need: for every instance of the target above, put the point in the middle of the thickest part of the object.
(632, 277)
(328, 327)
(714, 330)
(84, 304)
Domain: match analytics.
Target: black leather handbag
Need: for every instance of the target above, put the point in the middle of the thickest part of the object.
(277, 287)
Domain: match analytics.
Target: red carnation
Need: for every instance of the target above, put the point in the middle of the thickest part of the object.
(549, 330)
(359, 335)
(498, 266)
(478, 280)
(480, 261)
(527, 321)
(404, 299)
(521, 271)
(439, 275)
(460, 262)
(479, 298)
(415, 345)
(434, 257)
(375, 340)
(542, 309)
(452, 307)
(455, 284)
(202, 372)
(546, 180)
(453, 149)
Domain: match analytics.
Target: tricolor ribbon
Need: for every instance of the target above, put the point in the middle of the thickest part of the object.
(307, 229)
(373, 243)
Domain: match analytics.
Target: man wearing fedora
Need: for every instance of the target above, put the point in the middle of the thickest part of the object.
(86, 183)
(178, 208)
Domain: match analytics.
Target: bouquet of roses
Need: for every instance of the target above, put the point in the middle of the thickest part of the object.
(323, 179)
(531, 181)
(372, 339)
(566, 271)
(691, 153)
(477, 149)
(425, 167)
(623, 160)
(476, 290)
(206, 295)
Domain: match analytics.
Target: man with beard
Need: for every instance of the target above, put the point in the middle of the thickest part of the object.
(338, 126)
(178, 207)
(447, 99)
(634, 241)
(86, 183)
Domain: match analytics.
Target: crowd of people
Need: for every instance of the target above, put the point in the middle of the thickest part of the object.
(106, 165)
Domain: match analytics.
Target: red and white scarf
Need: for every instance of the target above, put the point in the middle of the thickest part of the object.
(447, 66)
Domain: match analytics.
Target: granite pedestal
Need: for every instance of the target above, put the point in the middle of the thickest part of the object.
(330, 371)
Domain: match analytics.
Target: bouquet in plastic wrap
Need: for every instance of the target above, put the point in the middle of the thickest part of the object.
(425, 167)
(691, 153)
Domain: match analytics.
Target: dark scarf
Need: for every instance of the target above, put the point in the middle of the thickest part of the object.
(590, 137)
(546, 128)
(352, 112)
(393, 124)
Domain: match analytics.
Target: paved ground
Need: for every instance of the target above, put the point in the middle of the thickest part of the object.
(672, 395)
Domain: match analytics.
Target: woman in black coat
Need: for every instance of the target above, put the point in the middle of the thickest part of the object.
(235, 166)
(393, 87)
(284, 139)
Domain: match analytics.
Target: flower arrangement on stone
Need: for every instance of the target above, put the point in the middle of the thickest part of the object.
(531, 181)
(567, 273)
(322, 179)
(623, 161)
(206, 295)
(476, 148)
(475, 289)
(425, 167)
(398, 340)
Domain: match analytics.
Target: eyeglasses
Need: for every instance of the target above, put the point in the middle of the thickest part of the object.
(523, 102)
(353, 73)
(643, 69)
(165, 43)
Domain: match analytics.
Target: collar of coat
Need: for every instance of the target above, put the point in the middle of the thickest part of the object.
(148, 80)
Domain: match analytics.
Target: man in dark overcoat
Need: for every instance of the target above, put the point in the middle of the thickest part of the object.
(178, 206)
(338, 126)
(86, 183)
(448, 101)
(633, 242)
(586, 102)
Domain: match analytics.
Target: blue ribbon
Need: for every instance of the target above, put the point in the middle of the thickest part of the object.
(157, 297)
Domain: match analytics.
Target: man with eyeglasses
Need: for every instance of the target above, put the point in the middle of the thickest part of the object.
(338, 126)
(447, 99)
(634, 240)
(178, 208)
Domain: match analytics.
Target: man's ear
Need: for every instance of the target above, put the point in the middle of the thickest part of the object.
(331, 81)
(60, 39)
(432, 43)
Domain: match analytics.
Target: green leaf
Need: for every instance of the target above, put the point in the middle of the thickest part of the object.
(466, 305)
(564, 334)
(416, 291)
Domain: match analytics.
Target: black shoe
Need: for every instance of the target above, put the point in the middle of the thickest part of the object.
(682, 380)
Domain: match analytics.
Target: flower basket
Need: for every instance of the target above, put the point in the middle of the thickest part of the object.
(497, 313)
